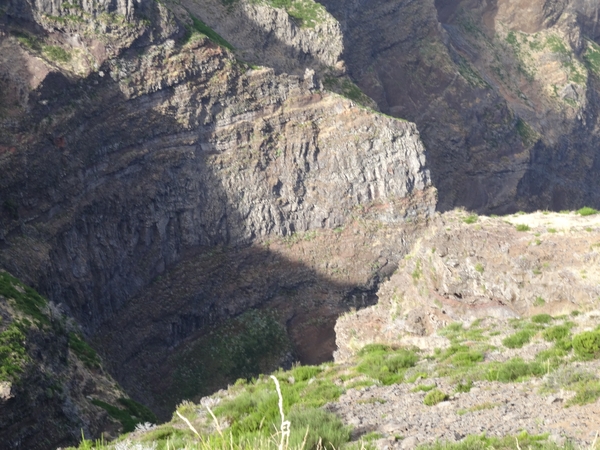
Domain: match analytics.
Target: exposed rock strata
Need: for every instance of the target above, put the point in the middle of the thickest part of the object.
(509, 124)
(461, 271)
(269, 36)
(169, 152)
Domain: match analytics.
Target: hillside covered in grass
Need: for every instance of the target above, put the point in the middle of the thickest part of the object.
(53, 387)
(492, 382)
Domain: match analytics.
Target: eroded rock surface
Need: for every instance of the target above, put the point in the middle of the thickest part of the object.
(164, 156)
(464, 271)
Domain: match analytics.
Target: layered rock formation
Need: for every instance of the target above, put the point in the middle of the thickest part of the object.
(510, 119)
(464, 268)
(137, 148)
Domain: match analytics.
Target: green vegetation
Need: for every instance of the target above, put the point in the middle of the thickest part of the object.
(479, 267)
(199, 27)
(556, 45)
(592, 56)
(585, 384)
(587, 211)
(587, 344)
(56, 53)
(130, 416)
(250, 408)
(482, 442)
(514, 370)
(542, 319)
(557, 333)
(344, 86)
(417, 273)
(25, 299)
(539, 301)
(83, 351)
(13, 354)
(307, 13)
(385, 364)
(527, 134)
(471, 219)
(522, 227)
(242, 347)
(28, 40)
(518, 339)
(424, 388)
(434, 397)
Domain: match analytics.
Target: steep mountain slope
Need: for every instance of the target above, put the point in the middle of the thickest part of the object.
(147, 168)
(53, 388)
(505, 93)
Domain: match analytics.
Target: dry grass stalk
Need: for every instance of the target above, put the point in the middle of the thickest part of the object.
(188, 424)
(285, 424)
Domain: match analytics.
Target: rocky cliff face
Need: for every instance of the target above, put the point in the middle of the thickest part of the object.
(49, 377)
(464, 268)
(504, 93)
(137, 148)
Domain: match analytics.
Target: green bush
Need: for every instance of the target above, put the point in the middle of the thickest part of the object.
(321, 425)
(434, 397)
(519, 339)
(471, 219)
(587, 211)
(56, 53)
(514, 370)
(467, 358)
(587, 345)
(556, 333)
(523, 227)
(13, 354)
(385, 364)
(539, 301)
(542, 318)
(130, 416)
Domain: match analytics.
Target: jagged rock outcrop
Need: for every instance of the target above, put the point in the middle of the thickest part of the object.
(48, 375)
(160, 156)
(271, 37)
(452, 68)
(463, 268)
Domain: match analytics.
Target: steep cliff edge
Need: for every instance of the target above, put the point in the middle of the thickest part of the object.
(53, 388)
(504, 93)
(132, 171)
(465, 267)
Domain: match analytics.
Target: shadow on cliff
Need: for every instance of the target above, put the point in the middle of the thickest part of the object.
(120, 217)
(399, 54)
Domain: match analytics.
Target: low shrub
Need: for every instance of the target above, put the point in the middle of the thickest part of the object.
(587, 345)
(587, 211)
(514, 370)
(471, 219)
(13, 355)
(128, 416)
(434, 397)
(303, 373)
(384, 364)
(556, 333)
(523, 227)
(542, 318)
(321, 425)
(518, 339)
